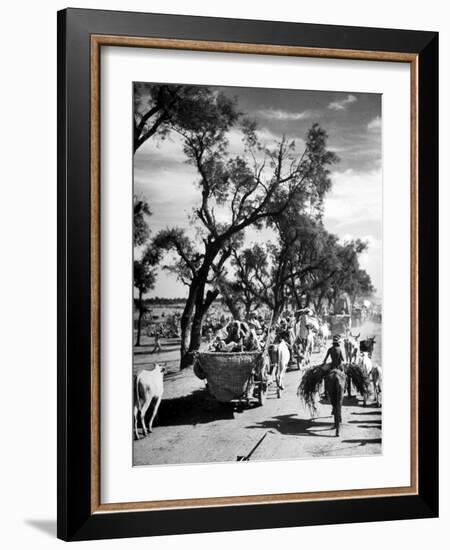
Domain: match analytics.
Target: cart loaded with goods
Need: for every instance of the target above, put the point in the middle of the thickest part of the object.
(242, 376)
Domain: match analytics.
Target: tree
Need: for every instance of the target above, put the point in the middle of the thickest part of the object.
(141, 230)
(144, 275)
(244, 293)
(328, 268)
(266, 272)
(197, 271)
(351, 278)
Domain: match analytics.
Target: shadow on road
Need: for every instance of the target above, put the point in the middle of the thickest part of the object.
(369, 426)
(371, 413)
(290, 424)
(196, 408)
(351, 401)
(363, 442)
(365, 421)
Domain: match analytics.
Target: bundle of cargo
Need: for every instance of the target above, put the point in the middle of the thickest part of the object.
(233, 376)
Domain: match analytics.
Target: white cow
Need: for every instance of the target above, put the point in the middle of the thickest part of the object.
(324, 333)
(376, 378)
(283, 361)
(365, 363)
(308, 347)
(148, 386)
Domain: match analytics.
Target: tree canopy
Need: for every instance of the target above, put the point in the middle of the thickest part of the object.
(159, 108)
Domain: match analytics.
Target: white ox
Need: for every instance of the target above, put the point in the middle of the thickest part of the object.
(283, 361)
(376, 376)
(365, 363)
(306, 349)
(324, 332)
(148, 387)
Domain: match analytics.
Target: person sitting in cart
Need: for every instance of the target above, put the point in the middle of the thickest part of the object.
(251, 343)
(234, 339)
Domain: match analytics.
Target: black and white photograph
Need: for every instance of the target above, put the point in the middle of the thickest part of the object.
(225, 228)
(257, 325)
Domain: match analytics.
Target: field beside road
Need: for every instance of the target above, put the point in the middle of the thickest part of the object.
(191, 427)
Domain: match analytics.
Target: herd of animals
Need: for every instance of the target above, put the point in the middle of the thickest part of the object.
(290, 343)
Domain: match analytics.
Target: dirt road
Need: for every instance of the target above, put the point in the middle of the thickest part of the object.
(191, 427)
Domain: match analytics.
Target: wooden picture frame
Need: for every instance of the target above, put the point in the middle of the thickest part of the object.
(81, 35)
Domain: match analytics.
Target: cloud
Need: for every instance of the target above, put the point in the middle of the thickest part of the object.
(355, 196)
(372, 261)
(279, 114)
(235, 139)
(375, 125)
(342, 104)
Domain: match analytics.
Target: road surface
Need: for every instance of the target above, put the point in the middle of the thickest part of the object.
(191, 427)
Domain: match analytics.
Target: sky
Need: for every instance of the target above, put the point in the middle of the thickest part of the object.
(353, 207)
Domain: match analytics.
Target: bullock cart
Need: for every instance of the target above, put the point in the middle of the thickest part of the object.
(242, 376)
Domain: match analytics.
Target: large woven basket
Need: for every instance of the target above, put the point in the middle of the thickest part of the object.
(227, 373)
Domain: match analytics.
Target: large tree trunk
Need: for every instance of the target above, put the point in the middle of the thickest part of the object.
(196, 332)
(231, 304)
(278, 292)
(195, 310)
(277, 310)
(201, 308)
(186, 323)
(186, 326)
(295, 292)
(139, 324)
(248, 308)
